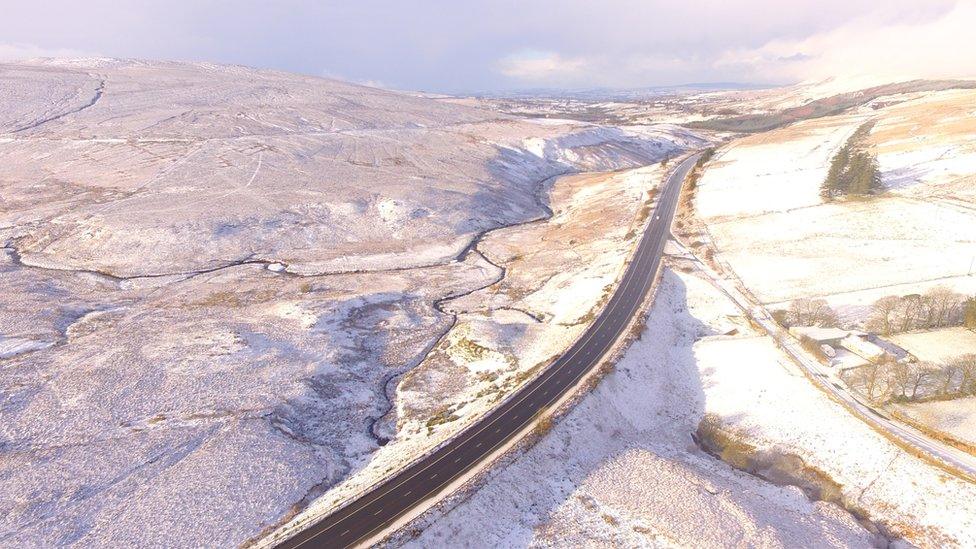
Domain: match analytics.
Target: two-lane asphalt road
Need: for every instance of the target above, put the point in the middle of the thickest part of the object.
(389, 500)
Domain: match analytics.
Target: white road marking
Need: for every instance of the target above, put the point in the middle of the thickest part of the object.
(623, 291)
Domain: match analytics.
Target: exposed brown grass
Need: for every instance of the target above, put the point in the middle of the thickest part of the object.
(226, 298)
(444, 414)
(544, 425)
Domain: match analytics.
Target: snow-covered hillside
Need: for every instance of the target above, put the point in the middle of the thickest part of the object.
(760, 199)
(213, 279)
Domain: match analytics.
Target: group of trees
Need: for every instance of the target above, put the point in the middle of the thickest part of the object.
(890, 381)
(808, 312)
(691, 180)
(937, 308)
(854, 169)
(695, 174)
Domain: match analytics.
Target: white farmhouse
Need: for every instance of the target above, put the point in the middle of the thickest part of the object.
(823, 336)
(862, 347)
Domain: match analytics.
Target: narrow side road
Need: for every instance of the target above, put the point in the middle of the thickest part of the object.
(953, 460)
(375, 510)
(960, 463)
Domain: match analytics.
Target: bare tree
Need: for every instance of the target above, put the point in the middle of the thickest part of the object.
(945, 305)
(927, 313)
(884, 314)
(874, 380)
(900, 379)
(947, 374)
(920, 375)
(811, 312)
(909, 307)
(967, 371)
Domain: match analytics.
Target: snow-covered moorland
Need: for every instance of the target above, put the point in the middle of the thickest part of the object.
(214, 279)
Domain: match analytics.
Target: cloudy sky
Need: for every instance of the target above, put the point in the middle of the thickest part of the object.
(466, 45)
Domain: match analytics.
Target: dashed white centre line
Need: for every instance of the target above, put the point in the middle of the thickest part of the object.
(569, 371)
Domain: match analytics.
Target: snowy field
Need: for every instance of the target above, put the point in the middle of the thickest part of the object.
(938, 346)
(622, 469)
(956, 417)
(760, 200)
(214, 278)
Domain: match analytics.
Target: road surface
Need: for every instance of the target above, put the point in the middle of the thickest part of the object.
(389, 500)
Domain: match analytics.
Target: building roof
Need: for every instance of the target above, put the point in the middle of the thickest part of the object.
(862, 347)
(817, 333)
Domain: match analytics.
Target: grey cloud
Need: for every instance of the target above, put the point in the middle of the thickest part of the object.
(450, 45)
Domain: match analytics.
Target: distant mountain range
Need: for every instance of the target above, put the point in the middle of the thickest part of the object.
(619, 94)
